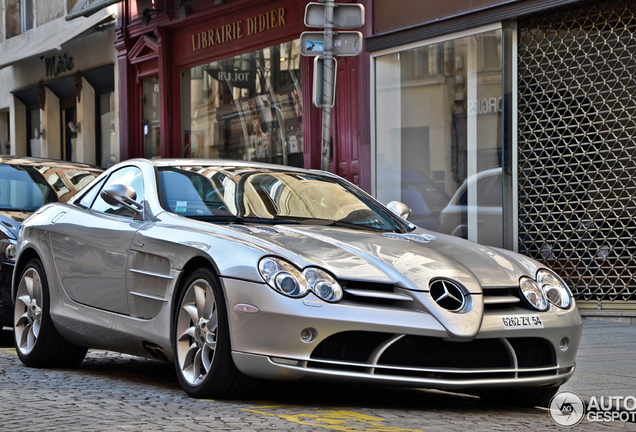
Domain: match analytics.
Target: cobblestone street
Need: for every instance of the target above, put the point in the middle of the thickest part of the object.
(117, 392)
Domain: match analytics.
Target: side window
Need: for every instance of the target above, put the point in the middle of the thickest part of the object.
(89, 197)
(129, 176)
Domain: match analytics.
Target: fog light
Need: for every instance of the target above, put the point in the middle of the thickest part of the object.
(564, 344)
(308, 335)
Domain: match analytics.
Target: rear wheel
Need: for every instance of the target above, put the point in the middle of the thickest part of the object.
(203, 357)
(37, 342)
(524, 396)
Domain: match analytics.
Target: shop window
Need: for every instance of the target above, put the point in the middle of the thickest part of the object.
(245, 107)
(438, 135)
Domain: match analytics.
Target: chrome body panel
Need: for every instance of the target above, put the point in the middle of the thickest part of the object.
(114, 284)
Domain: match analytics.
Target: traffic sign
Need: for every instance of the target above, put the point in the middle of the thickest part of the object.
(345, 16)
(345, 43)
(317, 91)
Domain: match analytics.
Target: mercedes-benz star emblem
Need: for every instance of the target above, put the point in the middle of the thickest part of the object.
(447, 294)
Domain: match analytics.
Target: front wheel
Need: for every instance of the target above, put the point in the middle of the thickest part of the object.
(201, 335)
(37, 341)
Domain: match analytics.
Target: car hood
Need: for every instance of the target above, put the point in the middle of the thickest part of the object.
(11, 221)
(408, 260)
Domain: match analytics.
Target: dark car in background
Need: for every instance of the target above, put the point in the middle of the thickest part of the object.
(26, 184)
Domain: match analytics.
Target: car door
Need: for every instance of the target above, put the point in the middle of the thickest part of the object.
(91, 245)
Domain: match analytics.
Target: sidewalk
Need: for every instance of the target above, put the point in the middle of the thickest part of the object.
(606, 361)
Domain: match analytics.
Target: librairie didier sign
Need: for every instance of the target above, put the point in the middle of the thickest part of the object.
(238, 29)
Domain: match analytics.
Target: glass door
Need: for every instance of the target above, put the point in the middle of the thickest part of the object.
(150, 118)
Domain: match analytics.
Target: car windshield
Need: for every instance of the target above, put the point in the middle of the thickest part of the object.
(25, 188)
(259, 195)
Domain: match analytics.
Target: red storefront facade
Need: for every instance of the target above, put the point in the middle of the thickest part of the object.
(226, 81)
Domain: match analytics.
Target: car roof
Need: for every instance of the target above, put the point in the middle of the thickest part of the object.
(224, 163)
(33, 161)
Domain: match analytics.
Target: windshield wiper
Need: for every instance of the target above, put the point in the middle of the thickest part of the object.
(217, 218)
(324, 222)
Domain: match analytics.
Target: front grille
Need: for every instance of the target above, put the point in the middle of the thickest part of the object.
(502, 298)
(421, 351)
(353, 346)
(428, 357)
(371, 293)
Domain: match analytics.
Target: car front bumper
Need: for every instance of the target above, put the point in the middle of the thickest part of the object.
(267, 343)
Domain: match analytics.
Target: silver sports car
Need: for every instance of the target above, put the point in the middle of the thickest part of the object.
(241, 271)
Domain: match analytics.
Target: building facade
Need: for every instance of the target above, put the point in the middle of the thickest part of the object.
(510, 123)
(57, 82)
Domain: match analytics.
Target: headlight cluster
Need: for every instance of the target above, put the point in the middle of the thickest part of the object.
(545, 289)
(7, 250)
(288, 280)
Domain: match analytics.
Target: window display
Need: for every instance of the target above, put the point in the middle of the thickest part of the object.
(246, 107)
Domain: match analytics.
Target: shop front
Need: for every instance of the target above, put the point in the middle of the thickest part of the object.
(227, 81)
(511, 124)
(245, 106)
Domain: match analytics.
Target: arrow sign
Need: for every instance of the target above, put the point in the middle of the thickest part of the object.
(345, 16)
(345, 43)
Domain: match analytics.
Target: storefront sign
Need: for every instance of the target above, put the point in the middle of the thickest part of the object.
(55, 65)
(249, 26)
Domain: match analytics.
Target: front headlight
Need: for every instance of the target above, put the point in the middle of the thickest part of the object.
(283, 277)
(288, 280)
(556, 291)
(533, 293)
(323, 285)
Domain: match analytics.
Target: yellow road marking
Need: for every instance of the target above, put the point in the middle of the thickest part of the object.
(11, 350)
(336, 420)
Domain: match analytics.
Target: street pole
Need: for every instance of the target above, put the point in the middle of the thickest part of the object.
(328, 76)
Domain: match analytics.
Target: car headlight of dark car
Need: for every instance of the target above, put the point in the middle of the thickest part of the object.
(7, 250)
(288, 280)
(545, 289)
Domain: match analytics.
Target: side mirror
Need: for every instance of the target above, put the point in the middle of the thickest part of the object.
(124, 196)
(400, 209)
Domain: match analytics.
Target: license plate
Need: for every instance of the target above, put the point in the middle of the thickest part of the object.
(521, 321)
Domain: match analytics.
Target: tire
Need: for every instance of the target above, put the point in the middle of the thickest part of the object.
(201, 341)
(521, 397)
(37, 341)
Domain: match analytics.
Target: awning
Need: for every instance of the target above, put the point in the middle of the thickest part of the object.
(45, 42)
(86, 8)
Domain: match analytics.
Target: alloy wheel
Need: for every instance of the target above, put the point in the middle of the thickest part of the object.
(197, 327)
(28, 311)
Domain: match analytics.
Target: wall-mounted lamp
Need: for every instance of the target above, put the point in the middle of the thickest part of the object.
(184, 11)
(75, 127)
(145, 17)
